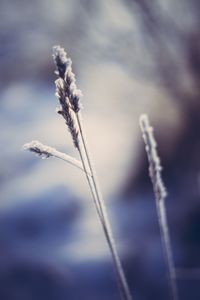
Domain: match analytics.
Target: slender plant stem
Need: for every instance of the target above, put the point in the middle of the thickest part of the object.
(88, 176)
(166, 242)
(69, 160)
(125, 293)
(99, 211)
(160, 195)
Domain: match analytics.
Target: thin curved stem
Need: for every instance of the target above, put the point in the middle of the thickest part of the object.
(125, 293)
(88, 176)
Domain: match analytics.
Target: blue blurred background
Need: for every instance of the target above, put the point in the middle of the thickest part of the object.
(129, 57)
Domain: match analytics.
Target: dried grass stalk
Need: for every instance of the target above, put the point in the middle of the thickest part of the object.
(160, 195)
(72, 100)
(69, 98)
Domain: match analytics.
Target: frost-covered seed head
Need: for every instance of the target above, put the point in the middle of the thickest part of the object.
(64, 71)
(66, 111)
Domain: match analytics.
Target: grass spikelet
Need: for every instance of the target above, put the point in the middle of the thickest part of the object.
(160, 195)
(66, 111)
(64, 71)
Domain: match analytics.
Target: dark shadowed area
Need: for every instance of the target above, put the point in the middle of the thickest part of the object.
(130, 57)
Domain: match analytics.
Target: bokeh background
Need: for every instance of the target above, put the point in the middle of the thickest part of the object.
(130, 57)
